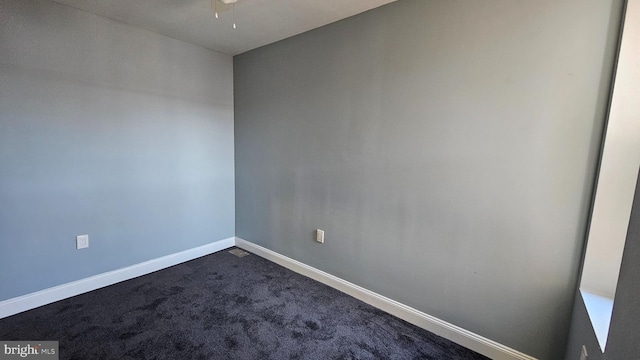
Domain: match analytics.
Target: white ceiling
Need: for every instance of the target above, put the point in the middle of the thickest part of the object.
(260, 22)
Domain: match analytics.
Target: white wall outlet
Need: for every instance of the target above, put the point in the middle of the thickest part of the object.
(320, 236)
(583, 355)
(82, 241)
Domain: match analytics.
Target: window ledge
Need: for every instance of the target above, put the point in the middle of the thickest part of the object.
(599, 309)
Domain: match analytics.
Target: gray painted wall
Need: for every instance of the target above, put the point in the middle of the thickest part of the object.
(447, 148)
(624, 333)
(110, 131)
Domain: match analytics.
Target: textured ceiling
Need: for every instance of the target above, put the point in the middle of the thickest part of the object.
(259, 22)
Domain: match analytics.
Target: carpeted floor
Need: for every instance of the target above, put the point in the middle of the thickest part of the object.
(224, 307)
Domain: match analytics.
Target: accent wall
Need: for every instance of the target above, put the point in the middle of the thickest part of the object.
(447, 149)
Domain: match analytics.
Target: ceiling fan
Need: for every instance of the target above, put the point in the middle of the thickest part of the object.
(224, 5)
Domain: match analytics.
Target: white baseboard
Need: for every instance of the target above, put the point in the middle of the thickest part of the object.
(439, 327)
(30, 301)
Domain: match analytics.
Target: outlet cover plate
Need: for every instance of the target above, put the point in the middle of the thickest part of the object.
(82, 242)
(584, 354)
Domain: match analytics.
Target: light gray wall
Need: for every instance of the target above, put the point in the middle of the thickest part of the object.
(110, 131)
(624, 333)
(447, 148)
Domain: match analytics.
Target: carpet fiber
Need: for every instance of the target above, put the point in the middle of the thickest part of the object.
(225, 307)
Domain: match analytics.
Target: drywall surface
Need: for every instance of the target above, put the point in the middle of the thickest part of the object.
(624, 333)
(446, 148)
(110, 131)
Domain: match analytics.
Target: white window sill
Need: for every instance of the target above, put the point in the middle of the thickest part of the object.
(599, 309)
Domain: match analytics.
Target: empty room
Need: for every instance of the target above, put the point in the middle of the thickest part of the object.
(320, 179)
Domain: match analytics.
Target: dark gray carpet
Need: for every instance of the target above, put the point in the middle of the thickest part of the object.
(224, 307)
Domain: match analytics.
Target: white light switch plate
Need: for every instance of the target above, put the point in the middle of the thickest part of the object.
(320, 236)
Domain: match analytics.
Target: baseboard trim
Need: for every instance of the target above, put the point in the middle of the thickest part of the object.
(439, 327)
(43, 297)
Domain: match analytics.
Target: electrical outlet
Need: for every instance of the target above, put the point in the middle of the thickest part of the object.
(583, 354)
(320, 236)
(82, 241)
